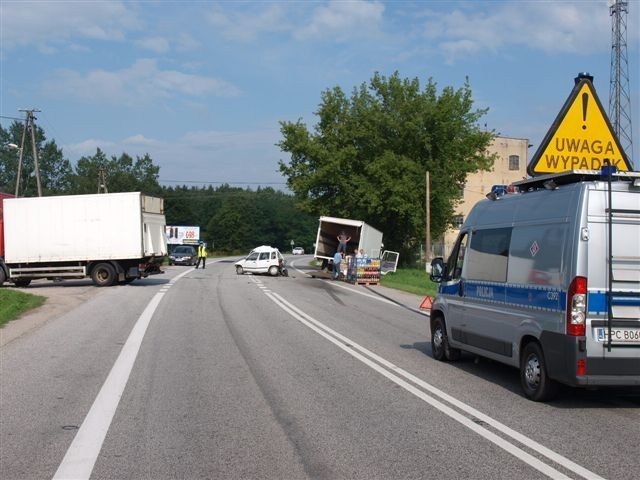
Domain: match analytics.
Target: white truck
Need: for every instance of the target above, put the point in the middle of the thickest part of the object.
(363, 237)
(112, 238)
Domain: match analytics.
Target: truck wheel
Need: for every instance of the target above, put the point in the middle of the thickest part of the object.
(3, 276)
(239, 270)
(103, 275)
(440, 343)
(22, 282)
(273, 270)
(536, 383)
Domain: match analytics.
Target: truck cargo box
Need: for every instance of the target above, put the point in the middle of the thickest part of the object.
(113, 226)
(363, 237)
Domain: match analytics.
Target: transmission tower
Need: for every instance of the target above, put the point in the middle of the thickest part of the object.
(619, 100)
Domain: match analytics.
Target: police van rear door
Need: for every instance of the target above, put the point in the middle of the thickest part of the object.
(613, 332)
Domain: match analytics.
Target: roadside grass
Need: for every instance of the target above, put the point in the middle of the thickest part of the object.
(14, 303)
(412, 280)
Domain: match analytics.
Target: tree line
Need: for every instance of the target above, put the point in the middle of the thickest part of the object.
(365, 159)
(232, 219)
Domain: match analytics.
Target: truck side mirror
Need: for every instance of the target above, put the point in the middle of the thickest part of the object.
(437, 269)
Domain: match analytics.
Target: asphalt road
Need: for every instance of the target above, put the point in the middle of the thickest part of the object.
(207, 374)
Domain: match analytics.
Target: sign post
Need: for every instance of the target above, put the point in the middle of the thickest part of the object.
(581, 137)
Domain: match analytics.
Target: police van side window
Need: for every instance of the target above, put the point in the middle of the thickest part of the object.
(456, 260)
(536, 254)
(489, 255)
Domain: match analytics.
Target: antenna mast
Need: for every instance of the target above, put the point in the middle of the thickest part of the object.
(619, 100)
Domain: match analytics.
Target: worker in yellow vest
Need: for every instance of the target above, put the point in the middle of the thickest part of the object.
(202, 255)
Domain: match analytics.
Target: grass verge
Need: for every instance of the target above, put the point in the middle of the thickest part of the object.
(412, 280)
(14, 303)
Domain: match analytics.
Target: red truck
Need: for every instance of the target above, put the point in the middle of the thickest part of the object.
(2, 196)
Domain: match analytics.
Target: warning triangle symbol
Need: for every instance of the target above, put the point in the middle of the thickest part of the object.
(581, 137)
(426, 304)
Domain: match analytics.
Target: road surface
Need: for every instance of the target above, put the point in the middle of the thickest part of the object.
(208, 374)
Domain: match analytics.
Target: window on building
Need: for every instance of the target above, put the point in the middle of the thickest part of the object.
(514, 162)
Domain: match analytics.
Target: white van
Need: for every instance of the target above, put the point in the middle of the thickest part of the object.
(547, 280)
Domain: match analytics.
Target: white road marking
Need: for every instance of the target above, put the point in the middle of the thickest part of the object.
(367, 357)
(81, 456)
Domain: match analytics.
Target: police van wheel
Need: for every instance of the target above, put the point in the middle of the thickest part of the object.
(440, 343)
(239, 270)
(273, 270)
(536, 383)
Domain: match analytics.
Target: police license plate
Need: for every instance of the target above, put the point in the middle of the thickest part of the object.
(619, 335)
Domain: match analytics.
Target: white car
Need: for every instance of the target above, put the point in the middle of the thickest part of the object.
(263, 259)
(298, 251)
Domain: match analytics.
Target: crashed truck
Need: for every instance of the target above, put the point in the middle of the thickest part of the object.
(364, 238)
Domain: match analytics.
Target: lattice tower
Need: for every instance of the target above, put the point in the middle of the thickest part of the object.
(619, 99)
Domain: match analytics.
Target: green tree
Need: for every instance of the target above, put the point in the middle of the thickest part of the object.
(367, 156)
(244, 219)
(55, 171)
(123, 174)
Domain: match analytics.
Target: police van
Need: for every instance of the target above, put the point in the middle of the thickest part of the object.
(546, 278)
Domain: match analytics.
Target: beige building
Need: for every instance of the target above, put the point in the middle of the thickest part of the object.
(510, 166)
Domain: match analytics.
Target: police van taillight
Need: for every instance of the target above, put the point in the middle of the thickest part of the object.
(577, 307)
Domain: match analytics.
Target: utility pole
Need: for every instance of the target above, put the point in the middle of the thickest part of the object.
(102, 180)
(427, 243)
(20, 154)
(29, 124)
(619, 99)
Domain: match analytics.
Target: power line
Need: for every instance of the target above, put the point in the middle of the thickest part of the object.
(12, 118)
(220, 183)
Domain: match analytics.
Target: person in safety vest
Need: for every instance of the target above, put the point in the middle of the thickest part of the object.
(202, 255)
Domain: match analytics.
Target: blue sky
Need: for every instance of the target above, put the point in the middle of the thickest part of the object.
(201, 86)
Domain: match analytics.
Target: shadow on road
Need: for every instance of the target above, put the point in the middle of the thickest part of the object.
(509, 378)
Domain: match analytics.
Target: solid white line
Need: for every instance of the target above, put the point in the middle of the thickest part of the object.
(348, 345)
(81, 456)
(457, 403)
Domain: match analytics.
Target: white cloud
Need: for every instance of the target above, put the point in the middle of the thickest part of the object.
(140, 83)
(221, 140)
(45, 23)
(336, 20)
(186, 42)
(243, 27)
(556, 27)
(207, 156)
(155, 44)
(87, 147)
(140, 140)
(342, 20)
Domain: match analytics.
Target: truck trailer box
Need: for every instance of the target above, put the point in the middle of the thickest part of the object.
(363, 237)
(113, 226)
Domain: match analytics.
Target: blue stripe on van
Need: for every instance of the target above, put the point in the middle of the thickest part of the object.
(597, 301)
(533, 296)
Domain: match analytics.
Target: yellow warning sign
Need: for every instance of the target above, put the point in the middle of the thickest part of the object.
(581, 137)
